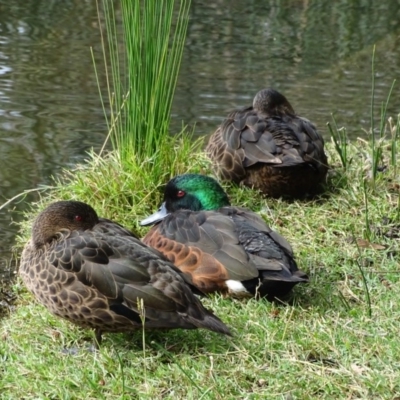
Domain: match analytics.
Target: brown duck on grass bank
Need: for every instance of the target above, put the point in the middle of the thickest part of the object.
(95, 273)
(269, 147)
(222, 248)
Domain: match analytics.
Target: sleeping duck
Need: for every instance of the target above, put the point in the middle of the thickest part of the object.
(222, 248)
(269, 147)
(96, 274)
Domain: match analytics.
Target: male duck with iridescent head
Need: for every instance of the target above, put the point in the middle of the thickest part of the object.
(95, 273)
(222, 248)
(269, 147)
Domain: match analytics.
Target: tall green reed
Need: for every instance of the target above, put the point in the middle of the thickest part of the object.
(340, 140)
(394, 133)
(142, 65)
(378, 138)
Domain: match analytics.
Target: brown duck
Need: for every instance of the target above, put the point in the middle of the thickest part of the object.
(268, 147)
(222, 248)
(95, 273)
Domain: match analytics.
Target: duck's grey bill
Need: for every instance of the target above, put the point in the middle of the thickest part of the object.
(156, 217)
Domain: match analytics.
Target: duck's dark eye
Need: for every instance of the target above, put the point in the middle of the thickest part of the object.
(180, 193)
(78, 218)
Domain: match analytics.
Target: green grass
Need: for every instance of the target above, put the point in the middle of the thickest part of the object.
(126, 191)
(339, 339)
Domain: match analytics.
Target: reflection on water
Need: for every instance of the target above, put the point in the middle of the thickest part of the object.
(50, 112)
(318, 53)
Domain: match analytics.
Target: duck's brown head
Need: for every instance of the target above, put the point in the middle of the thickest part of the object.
(270, 102)
(61, 215)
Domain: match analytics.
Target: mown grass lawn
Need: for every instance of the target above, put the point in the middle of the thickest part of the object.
(339, 339)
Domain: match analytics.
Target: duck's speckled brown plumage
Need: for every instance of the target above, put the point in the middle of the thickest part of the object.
(268, 147)
(225, 244)
(94, 273)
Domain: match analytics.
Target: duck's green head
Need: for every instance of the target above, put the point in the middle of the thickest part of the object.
(194, 192)
(190, 192)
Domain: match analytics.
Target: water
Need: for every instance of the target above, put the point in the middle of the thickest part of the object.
(318, 53)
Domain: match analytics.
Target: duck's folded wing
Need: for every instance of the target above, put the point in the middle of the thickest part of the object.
(205, 234)
(254, 224)
(118, 268)
(245, 133)
(268, 249)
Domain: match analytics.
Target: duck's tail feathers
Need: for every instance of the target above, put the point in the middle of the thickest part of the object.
(211, 322)
(295, 277)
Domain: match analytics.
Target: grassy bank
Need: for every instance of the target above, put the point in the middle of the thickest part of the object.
(338, 340)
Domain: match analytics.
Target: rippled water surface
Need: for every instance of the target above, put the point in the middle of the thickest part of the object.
(318, 53)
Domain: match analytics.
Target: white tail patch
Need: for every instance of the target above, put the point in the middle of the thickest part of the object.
(236, 287)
